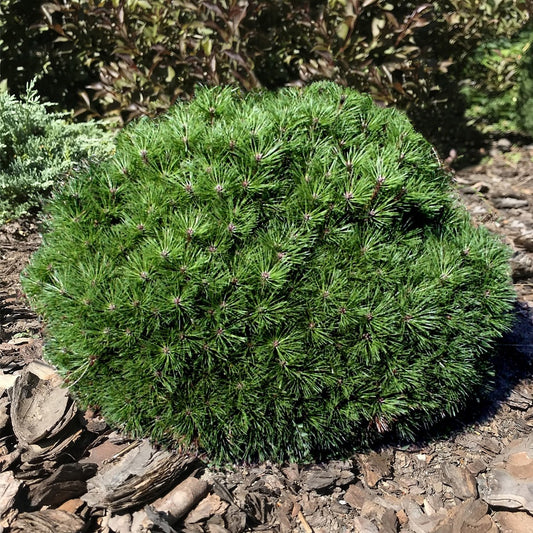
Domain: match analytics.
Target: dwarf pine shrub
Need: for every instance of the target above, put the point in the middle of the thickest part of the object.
(275, 275)
(38, 148)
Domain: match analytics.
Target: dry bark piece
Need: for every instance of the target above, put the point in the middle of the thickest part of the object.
(318, 477)
(181, 499)
(235, 519)
(373, 511)
(72, 506)
(520, 398)
(477, 466)
(490, 445)
(356, 496)
(66, 483)
(461, 480)
(389, 522)
(514, 522)
(525, 240)
(363, 525)
(508, 482)
(102, 453)
(9, 459)
(509, 203)
(216, 525)
(40, 460)
(4, 415)
(7, 381)
(137, 477)
(148, 520)
(120, 523)
(209, 506)
(521, 266)
(9, 487)
(418, 521)
(48, 521)
(470, 516)
(376, 466)
(40, 407)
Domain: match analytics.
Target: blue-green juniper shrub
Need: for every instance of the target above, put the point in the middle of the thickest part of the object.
(273, 275)
(40, 147)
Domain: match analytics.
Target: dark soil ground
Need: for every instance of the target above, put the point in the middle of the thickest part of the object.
(322, 498)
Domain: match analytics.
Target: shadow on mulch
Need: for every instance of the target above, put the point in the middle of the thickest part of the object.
(472, 150)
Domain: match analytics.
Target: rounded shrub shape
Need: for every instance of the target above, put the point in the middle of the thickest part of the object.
(276, 275)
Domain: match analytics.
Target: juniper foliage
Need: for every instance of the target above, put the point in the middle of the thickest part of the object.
(277, 275)
(38, 148)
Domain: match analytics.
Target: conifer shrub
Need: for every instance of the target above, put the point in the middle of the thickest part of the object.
(273, 275)
(38, 148)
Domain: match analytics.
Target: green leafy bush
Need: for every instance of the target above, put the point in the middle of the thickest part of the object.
(30, 50)
(275, 275)
(37, 149)
(492, 85)
(525, 93)
(143, 55)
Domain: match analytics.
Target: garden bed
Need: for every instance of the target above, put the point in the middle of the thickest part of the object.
(445, 479)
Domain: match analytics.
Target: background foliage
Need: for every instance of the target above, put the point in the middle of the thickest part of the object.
(493, 104)
(30, 51)
(39, 147)
(139, 56)
(280, 276)
(525, 93)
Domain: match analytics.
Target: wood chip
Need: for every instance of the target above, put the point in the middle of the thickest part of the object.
(48, 521)
(181, 499)
(41, 408)
(137, 477)
(66, 483)
(9, 487)
(305, 523)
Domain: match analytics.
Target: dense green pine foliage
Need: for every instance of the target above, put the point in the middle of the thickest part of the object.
(39, 147)
(276, 275)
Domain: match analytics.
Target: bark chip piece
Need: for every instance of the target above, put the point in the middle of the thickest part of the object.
(41, 408)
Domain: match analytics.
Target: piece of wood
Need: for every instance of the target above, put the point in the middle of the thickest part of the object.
(4, 415)
(51, 449)
(305, 523)
(9, 459)
(181, 499)
(66, 483)
(137, 477)
(48, 521)
(211, 505)
(150, 520)
(9, 487)
(41, 408)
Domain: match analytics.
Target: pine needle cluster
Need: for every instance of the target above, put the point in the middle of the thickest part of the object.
(276, 275)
